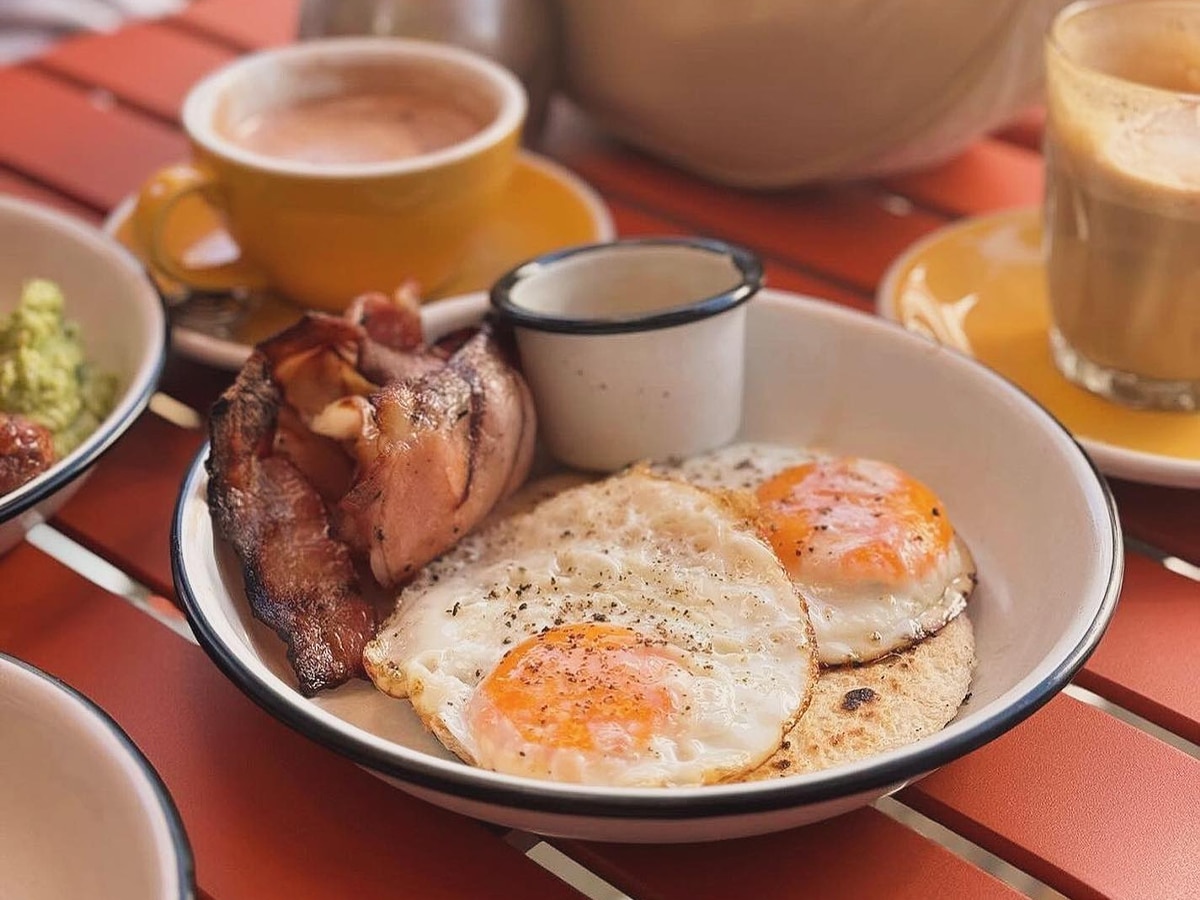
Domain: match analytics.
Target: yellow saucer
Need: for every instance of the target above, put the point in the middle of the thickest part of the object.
(978, 286)
(546, 207)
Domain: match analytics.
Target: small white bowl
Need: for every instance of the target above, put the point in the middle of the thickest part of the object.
(633, 349)
(124, 331)
(84, 812)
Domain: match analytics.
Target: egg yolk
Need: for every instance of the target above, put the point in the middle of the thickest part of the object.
(856, 520)
(587, 687)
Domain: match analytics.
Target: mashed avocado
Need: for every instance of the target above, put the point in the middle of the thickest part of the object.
(43, 373)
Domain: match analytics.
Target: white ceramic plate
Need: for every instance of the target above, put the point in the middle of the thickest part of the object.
(84, 813)
(1036, 514)
(123, 327)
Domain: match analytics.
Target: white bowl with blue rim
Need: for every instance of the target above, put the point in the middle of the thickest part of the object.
(84, 812)
(123, 328)
(1037, 515)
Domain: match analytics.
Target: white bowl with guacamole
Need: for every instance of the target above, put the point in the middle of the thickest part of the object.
(82, 343)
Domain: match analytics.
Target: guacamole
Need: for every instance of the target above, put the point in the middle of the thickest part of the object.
(43, 373)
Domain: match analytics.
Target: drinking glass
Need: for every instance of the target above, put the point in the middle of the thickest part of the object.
(1122, 204)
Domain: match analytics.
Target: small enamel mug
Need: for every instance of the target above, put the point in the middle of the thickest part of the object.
(633, 349)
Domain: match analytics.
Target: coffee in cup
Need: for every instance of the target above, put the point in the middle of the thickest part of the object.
(1122, 210)
(357, 128)
(341, 166)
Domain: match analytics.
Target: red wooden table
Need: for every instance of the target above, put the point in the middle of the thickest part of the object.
(1087, 798)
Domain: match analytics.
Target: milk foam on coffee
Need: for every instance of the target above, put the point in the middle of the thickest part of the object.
(356, 128)
(1161, 149)
(1123, 199)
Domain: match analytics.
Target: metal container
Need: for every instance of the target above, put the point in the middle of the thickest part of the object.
(519, 34)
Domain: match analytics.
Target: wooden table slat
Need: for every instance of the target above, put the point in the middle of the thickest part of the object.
(248, 26)
(988, 176)
(861, 854)
(149, 65)
(123, 511)
(79, 142)
(1166, 518)
(1025, 130)
(634, 222)
(268, 812)
(846, 234)
(1085, 803)
(36, 596)
(1146, 661)
(14, 185)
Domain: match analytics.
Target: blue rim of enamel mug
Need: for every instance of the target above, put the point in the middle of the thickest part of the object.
(747, 263)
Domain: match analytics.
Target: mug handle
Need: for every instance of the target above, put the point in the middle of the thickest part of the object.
(156, 202)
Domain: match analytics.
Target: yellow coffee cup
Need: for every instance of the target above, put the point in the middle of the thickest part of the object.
(322, 225)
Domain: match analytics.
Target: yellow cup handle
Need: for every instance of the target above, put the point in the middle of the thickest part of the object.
(156, 202)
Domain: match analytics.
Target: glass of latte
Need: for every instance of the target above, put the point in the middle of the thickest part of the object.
(1122, 205)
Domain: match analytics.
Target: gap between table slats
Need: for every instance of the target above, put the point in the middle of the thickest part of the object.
(1146, 660)
(1166, 518)
(16, 185)
(123, 511)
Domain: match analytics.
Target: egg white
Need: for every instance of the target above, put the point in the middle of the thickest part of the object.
(853, 622)
(672, 562)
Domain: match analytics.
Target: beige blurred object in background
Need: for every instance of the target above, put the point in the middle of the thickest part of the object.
(773, 93)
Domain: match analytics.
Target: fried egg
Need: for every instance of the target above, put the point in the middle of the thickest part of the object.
(871, 548)
(632, 631)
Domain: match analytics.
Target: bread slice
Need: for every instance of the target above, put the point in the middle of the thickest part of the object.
(858, 711)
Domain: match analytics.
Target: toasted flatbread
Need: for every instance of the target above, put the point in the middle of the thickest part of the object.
(858, 711)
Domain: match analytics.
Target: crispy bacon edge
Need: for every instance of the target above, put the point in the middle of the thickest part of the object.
(299, 580)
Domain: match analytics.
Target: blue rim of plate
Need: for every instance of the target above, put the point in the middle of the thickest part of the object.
(708, 803)
(83, 457)
(185, 867)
